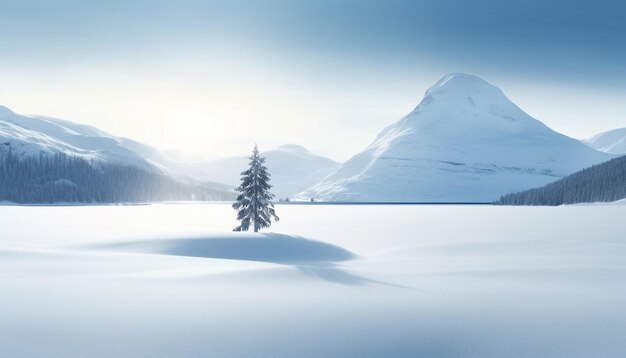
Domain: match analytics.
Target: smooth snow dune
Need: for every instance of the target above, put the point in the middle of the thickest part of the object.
(264, 247)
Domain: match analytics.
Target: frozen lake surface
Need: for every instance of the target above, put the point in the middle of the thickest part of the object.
(171, 280)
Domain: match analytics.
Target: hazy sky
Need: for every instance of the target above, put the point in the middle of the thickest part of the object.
(213, 77)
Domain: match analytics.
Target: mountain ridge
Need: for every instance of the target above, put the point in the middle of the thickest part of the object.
(293, 168)
(612, 141)
(34, 134)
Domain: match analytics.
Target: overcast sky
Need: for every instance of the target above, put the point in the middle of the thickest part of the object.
(210, 78)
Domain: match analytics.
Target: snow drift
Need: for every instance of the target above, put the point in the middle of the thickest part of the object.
(264, 247)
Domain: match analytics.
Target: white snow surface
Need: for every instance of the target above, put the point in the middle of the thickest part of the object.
(613, 141)
(328, 281)
(465, 142)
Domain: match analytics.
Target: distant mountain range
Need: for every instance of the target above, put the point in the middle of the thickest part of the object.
(613, 141)
(465, 142)
(26, 137)
(293, 169)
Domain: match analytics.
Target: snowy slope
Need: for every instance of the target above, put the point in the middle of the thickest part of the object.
(293, 169)
(465, 142)
(32, 135)
(604, 182)
(613, 141)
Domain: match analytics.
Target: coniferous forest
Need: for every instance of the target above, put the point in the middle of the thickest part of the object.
(63, 178)
(605, 182)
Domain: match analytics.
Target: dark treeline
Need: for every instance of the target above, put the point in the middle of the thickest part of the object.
(604, 182)
(62, 178)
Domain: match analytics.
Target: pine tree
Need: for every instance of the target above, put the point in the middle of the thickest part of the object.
(253, 203)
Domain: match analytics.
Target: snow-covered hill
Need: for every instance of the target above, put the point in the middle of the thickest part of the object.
(465, 142)
(81, 163)
(31, 135)
(293, 169)
(604, 182)
(613, 141)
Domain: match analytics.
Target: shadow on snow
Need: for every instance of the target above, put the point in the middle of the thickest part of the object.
(314, 258)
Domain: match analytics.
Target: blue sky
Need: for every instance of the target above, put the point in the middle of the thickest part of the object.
(211, 77)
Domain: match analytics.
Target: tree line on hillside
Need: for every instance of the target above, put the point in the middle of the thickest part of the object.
(49, 178)
(605, 182)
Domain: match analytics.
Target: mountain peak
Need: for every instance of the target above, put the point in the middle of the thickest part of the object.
(467, 102)
(465, 142)
(294, 148)
(462, 83)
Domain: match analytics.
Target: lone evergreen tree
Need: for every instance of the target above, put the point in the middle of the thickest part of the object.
(253, 203)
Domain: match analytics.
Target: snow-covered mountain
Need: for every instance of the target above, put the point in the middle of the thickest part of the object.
(293, 169)
(465, 142)
(68, 162)
(31, 135)
(613, 141)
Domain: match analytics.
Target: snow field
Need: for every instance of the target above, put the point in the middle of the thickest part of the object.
(434, 281)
